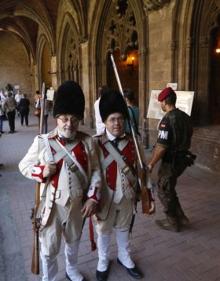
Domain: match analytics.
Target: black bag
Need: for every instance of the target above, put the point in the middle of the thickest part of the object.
(190, 158)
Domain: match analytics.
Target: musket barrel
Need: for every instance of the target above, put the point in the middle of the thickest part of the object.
(132, 129)
(42, 108)
(145, 197)
(35, 264)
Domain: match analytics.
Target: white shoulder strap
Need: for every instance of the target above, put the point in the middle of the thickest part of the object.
(49, 152)
(72, 162)
(119, 159)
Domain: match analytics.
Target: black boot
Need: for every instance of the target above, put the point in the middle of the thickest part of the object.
(184, 221)
(102, 275)
(169, 224)
(133, 272)
(67, 276)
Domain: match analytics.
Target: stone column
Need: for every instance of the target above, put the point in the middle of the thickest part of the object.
(85, 83)
(35, 80)
(53, 72)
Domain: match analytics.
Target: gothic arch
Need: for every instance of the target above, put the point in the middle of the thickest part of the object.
(98, 48)
(44, 25)
(68, 57)
(78, 13)
(204, 17)
(42, 41)
(27, 45)
(181, 43)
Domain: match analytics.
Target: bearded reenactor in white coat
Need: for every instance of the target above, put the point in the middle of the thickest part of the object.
(118, 163)
(64, 161)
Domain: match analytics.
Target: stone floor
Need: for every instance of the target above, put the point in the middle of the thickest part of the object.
(191, 255)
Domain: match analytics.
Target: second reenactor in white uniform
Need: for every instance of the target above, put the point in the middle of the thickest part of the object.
(118, 163)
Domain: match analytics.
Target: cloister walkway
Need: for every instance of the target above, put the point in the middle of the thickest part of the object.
(191, 255)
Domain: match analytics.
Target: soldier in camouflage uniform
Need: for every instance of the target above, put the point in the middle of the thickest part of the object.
(173, 142)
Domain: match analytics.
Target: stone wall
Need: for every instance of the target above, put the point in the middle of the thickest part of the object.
(206, 145)
(160, 37)
(14, 63)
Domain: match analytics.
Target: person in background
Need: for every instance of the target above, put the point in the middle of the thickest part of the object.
(9, 107)
(173, 142)
(133, 111)
(100, 126)
(1, 166)
(46, 113)
(2, 115)
(24, 110)
(18, 98)
(2, 95)
(37, 106)
(66, 160)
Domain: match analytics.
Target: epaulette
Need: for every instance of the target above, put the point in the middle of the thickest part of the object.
(97, 136)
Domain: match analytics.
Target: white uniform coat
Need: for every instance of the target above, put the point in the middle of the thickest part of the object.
(64, 188)
(118, 192)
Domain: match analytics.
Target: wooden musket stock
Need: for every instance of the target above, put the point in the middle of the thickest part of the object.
(35, 263)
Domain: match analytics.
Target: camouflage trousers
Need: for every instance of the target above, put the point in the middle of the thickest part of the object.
(167, 181)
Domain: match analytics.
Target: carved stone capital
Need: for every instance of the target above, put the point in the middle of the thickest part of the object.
(203, 42)
(152, 5)
(217, 2)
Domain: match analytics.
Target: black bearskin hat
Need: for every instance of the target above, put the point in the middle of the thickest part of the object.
(69, 99)
(112, 101)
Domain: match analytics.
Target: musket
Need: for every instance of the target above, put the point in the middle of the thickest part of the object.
(35, 263)
(146, 197)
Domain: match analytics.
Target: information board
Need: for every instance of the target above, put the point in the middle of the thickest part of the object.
(50, 94)
(184, 102)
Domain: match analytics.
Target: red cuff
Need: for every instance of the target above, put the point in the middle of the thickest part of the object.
(94, 194)
(37, 173)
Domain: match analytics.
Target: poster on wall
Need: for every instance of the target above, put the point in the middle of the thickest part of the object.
(184, 102)
(50, 94)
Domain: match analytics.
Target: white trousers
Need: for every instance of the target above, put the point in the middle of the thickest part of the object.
(103, 243)
(50, 267)
(123, 244)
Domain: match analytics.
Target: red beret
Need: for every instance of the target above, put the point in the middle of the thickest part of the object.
(165, 93)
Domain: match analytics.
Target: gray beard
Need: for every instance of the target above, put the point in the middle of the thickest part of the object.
(63, 134)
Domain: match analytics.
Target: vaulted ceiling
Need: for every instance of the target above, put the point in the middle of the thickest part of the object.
(25, 18)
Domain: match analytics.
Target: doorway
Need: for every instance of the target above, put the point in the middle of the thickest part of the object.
(127, 66)
(214, 89)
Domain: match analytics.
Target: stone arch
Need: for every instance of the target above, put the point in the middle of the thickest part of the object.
(68, 57)
(181, 43)
(27, 45)
(22, 35)
(44, 25)
(42, 42)
(98, 49)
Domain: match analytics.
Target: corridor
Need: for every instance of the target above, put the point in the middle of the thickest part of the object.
(191, 255)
